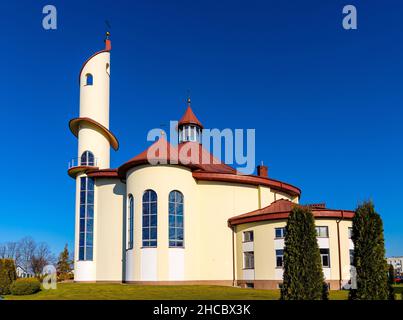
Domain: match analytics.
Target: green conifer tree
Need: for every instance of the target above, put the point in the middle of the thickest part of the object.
(369, 255)
(303, 276)
(64, 264)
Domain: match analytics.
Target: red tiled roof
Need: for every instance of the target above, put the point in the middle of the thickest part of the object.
(280, 209)
(203, 164)
(189, 118)
(189, 154)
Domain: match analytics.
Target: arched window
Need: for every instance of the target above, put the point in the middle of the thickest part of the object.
(175, 219)
(89, 80)
(149, 218)
(87, 159)
(130, 223)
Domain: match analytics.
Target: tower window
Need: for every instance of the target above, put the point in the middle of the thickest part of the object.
(149, 218)
(87, 159)
(89, 79)
(176, 219)
(86, 218)
(130, 223)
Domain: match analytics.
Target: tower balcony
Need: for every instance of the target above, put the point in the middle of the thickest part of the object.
(79, 165)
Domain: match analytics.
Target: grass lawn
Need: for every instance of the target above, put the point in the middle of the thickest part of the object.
(83, 291)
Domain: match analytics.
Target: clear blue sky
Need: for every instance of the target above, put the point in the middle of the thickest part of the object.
(326, 103)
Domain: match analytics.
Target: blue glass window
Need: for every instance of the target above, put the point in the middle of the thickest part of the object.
(149, 218)
(130, 223)
(175, 219)
(89, 79)
(86, 218)
(87, 159)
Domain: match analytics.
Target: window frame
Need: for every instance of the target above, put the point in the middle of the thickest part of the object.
(149, 242)
(283, 232)
(251, 239)
(281, 255)
(130, 223)
(85, 236)
(87, 155)
(252, 255)
(350, 232)
(317, 228)
(89, 80)
(175, 216)
(351, 255)
(323, 255)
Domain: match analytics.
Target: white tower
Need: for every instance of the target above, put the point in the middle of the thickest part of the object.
(94, 142)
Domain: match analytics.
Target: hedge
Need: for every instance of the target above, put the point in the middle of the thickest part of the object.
(7, 275)
(24, 286)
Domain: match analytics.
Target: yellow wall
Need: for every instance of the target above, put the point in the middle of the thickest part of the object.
(110, 195)
(207, 207)
(264, 251)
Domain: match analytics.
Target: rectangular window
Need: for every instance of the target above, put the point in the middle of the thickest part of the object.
(279, 258)
(249, 260)
(325, 256)
(350, 233)
(280, 233)
(351, 257)
(86, 225)
(322, 232)
(248, 236)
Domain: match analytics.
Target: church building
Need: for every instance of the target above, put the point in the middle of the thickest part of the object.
(187, 222)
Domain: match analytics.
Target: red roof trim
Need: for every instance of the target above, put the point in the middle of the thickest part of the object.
(74, 171)
(280, 210)
(73, 124)
(104, 173)
(246, 179)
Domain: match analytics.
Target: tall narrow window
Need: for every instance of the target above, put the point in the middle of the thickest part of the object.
(279, 258)
(350, 233)
(325, 256)
(86, 218)
(175, 219)
(89, 80)
(130, 223)
(249, 260)
(149, 218)
(87, 159)
(351, 257)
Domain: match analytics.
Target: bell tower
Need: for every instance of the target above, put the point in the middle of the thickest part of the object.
(189, 127)
(94, 143)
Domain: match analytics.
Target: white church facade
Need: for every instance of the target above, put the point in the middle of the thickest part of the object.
(184, 223)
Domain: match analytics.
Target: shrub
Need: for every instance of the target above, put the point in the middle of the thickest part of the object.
(24, 286)
(7, 275)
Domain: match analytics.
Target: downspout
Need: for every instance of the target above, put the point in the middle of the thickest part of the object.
(233, 256)
(339, 249)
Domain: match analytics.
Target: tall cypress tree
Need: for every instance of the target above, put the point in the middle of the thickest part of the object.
(303, 276)
(369, 255)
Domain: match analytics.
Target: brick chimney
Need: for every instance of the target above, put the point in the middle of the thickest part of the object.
(262, 171)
